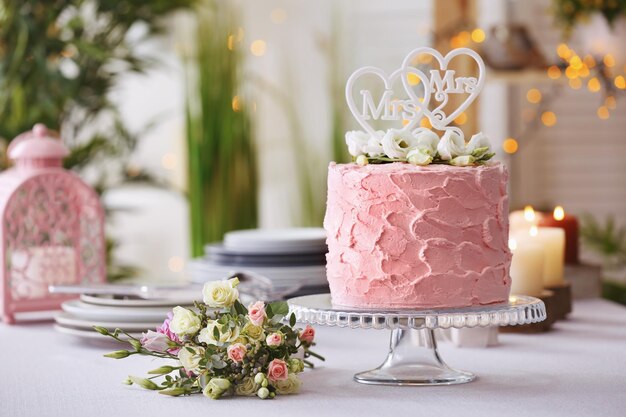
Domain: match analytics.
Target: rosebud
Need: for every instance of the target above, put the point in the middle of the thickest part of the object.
(296, 365)
(143, 382)
(263, 393)
(135, 343)
(118, 354)
(216, 387)
(166, 369)
(362, 160)
(174, 392)
(101, 330)
(464, 160)
(259, 378)
(127, 381)
(265, 383)
(419, 157)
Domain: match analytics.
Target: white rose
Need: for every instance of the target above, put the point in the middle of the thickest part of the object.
(191, 360)
(478, 141)
(427, 140)
(227, 334)
(451, 145)
(291, 385)
(374, 146)
(247, 387)
(253, 331)
(185, 322)
(419, 157)
(397, 143)
(216, 387)
(356, 141)
(220, 294)
(463, 160)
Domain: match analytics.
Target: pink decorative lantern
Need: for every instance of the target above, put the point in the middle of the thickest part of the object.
(52, 228)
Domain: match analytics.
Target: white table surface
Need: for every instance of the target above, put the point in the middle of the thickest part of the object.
(577, 369)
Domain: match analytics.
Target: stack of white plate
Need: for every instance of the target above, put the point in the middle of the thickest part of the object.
(133, 315)
(287, 257)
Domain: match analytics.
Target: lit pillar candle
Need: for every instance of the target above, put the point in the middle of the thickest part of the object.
(527, 267)
(569, 224)
(553, 241)
(522, 220)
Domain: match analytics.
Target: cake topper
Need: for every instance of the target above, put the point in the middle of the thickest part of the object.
(409, 103)
(388, 107)
(447, 84)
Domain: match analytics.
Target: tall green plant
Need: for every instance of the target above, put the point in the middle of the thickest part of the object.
(222, 163)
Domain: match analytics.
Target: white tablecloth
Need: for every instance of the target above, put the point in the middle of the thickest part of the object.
(577, 369)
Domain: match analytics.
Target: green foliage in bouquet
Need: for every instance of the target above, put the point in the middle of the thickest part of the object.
(59, 60)
(571, 12)
(222, 160)
(223, 348)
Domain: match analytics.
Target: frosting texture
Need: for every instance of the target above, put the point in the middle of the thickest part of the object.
(407, 236)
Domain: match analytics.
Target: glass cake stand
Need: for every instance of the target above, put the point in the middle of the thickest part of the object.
(413, 358)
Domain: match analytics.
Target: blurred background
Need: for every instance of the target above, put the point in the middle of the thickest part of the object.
(196, 117)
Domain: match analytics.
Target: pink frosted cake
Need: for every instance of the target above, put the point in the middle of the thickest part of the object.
(407, 236)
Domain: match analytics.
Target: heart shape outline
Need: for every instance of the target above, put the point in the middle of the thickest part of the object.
(438, 119)
(388, 83)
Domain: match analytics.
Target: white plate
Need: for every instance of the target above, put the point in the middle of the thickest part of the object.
(276, 240)
(87, 311)
(282, 272)
(109, 300)
(90, 334)
(66, 319)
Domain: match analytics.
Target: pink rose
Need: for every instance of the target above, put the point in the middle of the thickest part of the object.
(307, 335)
(277, 370)
(256, 313)
(155, 341)
(274, 339)
(165, 329)
(236, 352)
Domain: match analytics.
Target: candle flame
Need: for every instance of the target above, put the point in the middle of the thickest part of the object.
(559, 213)
(533, 231)
(512, 244)
(529, 213)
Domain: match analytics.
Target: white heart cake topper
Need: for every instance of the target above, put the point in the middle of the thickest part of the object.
(411, 110)
(448, 84)
(416, 106)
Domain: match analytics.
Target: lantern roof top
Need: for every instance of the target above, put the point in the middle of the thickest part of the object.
(38, 143)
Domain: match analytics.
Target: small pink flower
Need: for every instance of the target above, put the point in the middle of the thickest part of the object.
(256, 313)
(274, 339)
(277, 370)
(154, 341)
(307, 335)
(236, 352)
(165, 329)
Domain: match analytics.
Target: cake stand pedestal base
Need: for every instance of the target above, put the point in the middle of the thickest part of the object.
(413, 359)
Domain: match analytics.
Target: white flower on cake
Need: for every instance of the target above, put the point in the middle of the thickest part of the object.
(361, 143)
(356, 141)
(419, 157)
(452, 148)
(397, 143)
(451, 145)
(374, 147)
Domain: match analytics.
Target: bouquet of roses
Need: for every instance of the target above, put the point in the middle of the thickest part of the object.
(223, 348)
